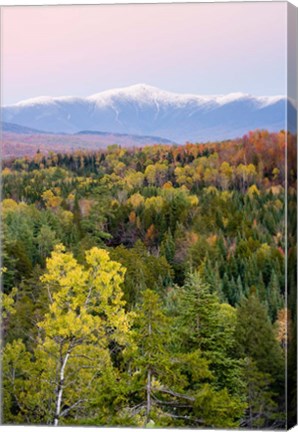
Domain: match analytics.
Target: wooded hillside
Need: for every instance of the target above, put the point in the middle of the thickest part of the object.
(146, 287)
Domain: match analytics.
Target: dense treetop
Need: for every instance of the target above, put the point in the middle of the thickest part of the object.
(150, 281)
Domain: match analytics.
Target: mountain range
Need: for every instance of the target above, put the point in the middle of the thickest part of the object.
(143, 110)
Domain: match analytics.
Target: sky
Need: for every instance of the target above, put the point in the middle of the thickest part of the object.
(185, 48)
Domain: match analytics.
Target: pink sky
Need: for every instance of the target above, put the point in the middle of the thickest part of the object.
(194, 48)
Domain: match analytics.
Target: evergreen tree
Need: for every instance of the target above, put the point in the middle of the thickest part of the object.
(168, 247)
(256, 339)
(262, 408)
(274, 298)
(173, 388)
(205, 324)
(197, 310)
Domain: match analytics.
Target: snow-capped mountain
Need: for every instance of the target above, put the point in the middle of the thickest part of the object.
(146, 110)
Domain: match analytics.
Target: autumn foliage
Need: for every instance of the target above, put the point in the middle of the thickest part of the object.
(146, 286)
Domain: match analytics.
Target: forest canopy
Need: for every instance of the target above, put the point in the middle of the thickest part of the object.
(136, 280)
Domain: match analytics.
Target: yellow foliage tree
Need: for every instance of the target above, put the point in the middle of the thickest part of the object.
(85, 316)
(51, 200)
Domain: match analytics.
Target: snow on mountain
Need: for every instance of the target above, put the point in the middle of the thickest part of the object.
(145, 110)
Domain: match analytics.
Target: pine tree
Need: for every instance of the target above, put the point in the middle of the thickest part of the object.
(274, 298)
(168, 247)
(204, 324)
(262, 408)
(170, 387)
(152, 360)
(197, 310)
(255, 337)
(240, 290)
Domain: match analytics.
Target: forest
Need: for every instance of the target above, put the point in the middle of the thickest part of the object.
(146, 286)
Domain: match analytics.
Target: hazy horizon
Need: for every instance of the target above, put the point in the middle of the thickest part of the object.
(204, 49)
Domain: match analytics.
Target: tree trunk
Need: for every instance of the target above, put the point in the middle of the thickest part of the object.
(148, 395)
(149, 383)
(60, 389)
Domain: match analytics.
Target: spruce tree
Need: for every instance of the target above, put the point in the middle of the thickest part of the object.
(255, 337)
(170, 387)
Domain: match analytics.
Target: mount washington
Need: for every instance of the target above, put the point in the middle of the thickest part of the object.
(145, 110)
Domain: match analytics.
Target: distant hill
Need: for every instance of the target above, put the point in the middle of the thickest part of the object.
(135, 138)
(18, 141)
(18, 129)
(148, 111)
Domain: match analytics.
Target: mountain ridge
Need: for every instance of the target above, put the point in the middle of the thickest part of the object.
(18, 129)
(145, 110)
(145, 92)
